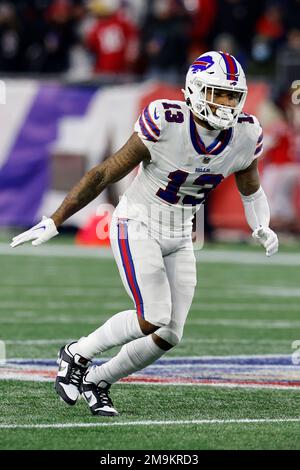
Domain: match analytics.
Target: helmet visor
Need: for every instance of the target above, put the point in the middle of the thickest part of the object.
(219, 96)
(219, 105)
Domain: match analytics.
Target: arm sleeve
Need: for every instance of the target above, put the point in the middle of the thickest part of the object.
(149, 124)
(256, 209)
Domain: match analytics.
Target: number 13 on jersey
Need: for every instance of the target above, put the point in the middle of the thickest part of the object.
(177, 178)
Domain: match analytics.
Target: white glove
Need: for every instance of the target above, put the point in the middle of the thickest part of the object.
(267, 238)
(40, 233)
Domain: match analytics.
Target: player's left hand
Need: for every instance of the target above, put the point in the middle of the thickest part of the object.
(40, 233)
(267, 238)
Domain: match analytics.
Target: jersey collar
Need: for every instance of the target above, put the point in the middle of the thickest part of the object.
(216, 147)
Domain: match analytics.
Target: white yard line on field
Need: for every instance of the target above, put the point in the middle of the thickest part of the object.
(59, 251)
(27, 281)
(61, 291)
(246, 306)
(37, 341)
(218, 256)
(199, 340)
(186, 422)
(228, 322)
(275, 291)
(50, 305)
(53, 319)
(247, 257)
(232, 322)
(96, 304)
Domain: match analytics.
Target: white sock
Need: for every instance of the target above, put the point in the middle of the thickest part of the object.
(119, 329)
(133, 356)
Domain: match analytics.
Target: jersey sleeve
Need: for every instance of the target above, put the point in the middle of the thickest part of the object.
(253, 145)
(259, 145)
(149, 124)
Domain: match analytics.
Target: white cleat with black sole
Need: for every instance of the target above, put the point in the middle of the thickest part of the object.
(71, 370)
(97, 397)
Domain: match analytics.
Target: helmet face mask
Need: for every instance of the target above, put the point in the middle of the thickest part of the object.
(207, 80)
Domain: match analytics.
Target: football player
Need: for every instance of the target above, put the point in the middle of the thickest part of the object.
(184, 149)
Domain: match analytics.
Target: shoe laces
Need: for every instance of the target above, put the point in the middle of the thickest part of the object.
(76, 376)
(104, 396)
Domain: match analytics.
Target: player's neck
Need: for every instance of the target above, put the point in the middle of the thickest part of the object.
(205, 131)
(203, 124)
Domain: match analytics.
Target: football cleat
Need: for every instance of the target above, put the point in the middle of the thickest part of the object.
(71, 370)
(97, 397)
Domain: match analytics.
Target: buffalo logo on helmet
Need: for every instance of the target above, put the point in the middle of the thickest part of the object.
(202, 64)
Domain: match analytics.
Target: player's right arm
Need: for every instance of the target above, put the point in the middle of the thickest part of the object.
(89, 187)
(256, 207)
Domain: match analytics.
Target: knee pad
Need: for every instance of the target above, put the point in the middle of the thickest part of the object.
(170, 334)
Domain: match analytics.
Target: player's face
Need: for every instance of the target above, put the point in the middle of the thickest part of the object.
(223, 97)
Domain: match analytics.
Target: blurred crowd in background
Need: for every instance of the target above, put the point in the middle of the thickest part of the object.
(147, 37)
(81, 40)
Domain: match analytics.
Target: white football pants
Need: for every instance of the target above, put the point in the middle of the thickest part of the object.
(159, 274)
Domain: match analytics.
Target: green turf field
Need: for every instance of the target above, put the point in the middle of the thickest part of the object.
(239, 309)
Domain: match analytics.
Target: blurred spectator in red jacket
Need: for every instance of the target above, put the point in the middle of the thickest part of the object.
(270, 24)
(113, 39)
(281, 168)
(203, 14)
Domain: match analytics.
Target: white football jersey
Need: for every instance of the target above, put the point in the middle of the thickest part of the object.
(169, 189)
